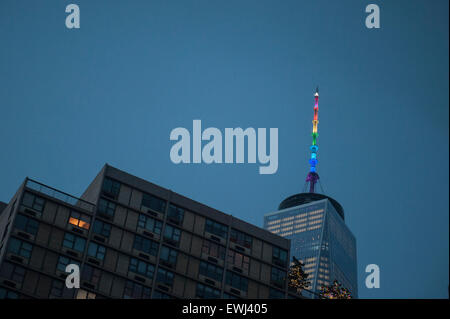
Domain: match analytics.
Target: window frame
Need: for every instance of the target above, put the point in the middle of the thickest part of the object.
(216, 228)
(105, 228)
(144, 221)
(139, 244)
(30, 229)
(100, 251)
(24, 249)
(34, 205)
(211, 271)
(75, 241)
(135, 265)
(81, 218)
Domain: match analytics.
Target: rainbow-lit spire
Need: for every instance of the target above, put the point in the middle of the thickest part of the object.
(313, 177)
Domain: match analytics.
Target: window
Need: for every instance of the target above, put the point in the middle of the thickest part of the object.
(74, 242)
(111, 188)
(154, 203)
(64, 261)
(228, 296)
(20, 248)
(165, 277)
(57, 288)
(142, 268)
(97, 251)
(8, 294)
(279, 256)
(276, 294)
(160, 295)
(172, 235)
(83, 294)
(216, 228)
(168, 256)
(145, 245)
(278, 277)
(106, 207)
(102, 228)
(149, 224)
(206, 292)
(91, 274)
(213, 250)
(238, 260)
(26, 224)
(34, 202)
(236, 281)
(136, 291)
(211, 271)
(240, 238)
(12, 272)
(80, 220)
(176, 214)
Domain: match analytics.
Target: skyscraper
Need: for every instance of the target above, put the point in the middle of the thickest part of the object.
(315, 225)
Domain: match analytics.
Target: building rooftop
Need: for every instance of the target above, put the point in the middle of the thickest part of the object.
(193, 205)
(305, 198)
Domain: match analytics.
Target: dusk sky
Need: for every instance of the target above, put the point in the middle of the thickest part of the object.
(112, 91)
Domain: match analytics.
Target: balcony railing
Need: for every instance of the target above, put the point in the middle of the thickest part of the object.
(49, 191)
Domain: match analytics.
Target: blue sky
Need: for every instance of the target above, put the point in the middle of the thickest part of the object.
(72, 100)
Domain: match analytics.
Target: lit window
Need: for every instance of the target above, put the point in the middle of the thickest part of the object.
(80, 220)
(83, 294)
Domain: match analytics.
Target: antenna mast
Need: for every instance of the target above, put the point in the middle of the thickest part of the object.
(312, 176)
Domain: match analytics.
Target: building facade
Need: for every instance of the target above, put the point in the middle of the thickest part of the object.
(319, 238)
(133, 239)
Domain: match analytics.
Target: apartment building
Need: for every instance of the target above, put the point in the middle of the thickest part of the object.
(133, 239)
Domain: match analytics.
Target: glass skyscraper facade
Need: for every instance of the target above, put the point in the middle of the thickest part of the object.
(319, 238)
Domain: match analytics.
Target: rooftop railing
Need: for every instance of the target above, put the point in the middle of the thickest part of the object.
(52, 192)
